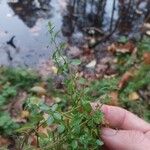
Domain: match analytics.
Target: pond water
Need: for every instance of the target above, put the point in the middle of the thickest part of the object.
(24, 37)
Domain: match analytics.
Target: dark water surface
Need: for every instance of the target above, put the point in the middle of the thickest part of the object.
(24, 37)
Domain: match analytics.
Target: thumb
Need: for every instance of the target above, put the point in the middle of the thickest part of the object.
(124, 139)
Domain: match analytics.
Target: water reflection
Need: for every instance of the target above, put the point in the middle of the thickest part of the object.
(73, 17)
(132, 14)
(29, 11)
(104, 14)
(82, 14)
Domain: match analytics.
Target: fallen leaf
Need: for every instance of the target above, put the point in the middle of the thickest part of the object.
(42, 130)
(38, 90)
(146, 57)
(101, 68)
(4, 141)
(32, 140)
(124, 80)
(114, 98)
(25, 114)
(47, 68)
(57, 99)
(74, 52)
(45, 116)
(91, 65)
(112, 48)
(16, 107)
(147, 25)
(54, 69)
(148, 32)
(129, 47)
(134, 96)
(48, 100)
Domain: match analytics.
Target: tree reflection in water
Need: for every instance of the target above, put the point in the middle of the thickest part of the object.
(29, 11)
(81, 14)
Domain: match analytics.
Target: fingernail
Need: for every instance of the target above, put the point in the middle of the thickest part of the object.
(108, 132)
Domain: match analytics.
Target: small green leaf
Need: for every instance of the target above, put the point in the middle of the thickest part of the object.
(25, 128)
(74, 144)
(44, 107)
(61, 128)
(86, 105)
(62, 45)
(34, 100)
(82, 81)
(50, 120)
(57, 116)
(97, 117)
(98, 142)
(76, 62)
(54, 107)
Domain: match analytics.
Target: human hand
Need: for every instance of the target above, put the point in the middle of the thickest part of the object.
(127, 132)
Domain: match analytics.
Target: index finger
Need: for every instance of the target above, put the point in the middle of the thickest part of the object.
(123, 119)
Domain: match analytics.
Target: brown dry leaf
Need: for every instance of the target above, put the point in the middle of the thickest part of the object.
(48, 100)
(146, 57)
(124, 80)
(129, 47)
(38, 90)
(114, 98)
(86, 50)
(134, 96)
(25, 114)
(16, 107)
(101, 68)
(4, 141)
(112, 48)
(42, 130)
(74, 51)
(47, 68)
(32, 140)
(43, 84)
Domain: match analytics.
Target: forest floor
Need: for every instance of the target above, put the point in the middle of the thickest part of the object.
(118, 75)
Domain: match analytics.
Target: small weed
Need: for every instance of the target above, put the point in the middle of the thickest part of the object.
(75, 127)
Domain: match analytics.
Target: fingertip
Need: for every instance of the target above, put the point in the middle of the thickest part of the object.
(122, 119)
(123, 140)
